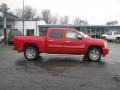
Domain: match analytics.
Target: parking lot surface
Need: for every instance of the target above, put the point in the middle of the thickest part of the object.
(59, 72)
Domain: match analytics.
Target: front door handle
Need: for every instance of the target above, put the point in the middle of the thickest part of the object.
(51, 40)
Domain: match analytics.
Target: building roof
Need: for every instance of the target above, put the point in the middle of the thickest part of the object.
(86, 26)
(8, 15)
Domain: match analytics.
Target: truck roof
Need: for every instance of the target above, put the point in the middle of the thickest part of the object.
(60, 28)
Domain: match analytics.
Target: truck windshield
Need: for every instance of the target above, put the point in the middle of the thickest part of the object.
(109, 33)
(85, 35)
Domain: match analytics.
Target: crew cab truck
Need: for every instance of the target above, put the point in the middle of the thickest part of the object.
(61, 41)
(112, 36)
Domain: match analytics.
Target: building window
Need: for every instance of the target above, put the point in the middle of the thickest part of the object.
(30, 32)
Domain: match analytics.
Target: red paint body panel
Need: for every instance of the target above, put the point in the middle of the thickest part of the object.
(105, 51)
(62, 45)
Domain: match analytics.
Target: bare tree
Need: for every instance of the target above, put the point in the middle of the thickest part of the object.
(29, 13)
(4, 7)
(38, 18)
(112, 23)
(19, 13)
(54, 19)
(46, 14)
(78, 21)
(64, 20)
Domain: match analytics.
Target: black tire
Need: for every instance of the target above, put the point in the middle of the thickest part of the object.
(85, 58)
(10, 43)
(28, 53)
(96, 52)
(118, 40)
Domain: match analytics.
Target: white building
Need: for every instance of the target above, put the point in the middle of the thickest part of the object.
(30, 27)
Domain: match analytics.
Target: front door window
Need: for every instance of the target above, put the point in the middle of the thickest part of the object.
(72, 35)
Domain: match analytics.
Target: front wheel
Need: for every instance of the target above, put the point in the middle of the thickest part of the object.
(30, 53)
(94, 54)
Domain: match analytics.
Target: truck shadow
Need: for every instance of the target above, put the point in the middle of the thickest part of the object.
(55, 65)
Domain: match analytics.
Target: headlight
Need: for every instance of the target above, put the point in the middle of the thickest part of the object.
(105, 44)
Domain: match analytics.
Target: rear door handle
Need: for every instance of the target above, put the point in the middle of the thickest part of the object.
(67, 41)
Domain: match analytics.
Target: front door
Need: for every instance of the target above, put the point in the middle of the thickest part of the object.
(72, 44)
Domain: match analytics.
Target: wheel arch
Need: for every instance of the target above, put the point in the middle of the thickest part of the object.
(117, 37)
(95, 46)
(104, 37)
(31, 45)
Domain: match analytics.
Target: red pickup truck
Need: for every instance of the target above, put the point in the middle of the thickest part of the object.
(61, 41)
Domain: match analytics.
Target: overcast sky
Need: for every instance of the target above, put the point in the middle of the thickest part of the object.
(95, 11)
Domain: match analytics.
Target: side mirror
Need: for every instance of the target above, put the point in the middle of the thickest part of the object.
(79, 37)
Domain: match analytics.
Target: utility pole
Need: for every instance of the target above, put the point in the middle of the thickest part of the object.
(5, 28)
(23, 17)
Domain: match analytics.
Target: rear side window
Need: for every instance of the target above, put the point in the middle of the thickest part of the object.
(56, 34)
(116, 33)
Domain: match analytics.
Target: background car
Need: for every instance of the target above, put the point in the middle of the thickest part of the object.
(112, 36)
(1, 38)
(13, 33)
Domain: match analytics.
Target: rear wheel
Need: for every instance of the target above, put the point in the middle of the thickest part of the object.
(31, 53)
(118, 40)
(94, 54)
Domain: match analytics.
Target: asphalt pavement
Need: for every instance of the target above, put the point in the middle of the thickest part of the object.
(59, 72)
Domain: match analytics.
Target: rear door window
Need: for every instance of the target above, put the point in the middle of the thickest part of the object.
(56, 34)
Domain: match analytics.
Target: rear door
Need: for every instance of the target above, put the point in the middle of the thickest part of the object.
(54, 42)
